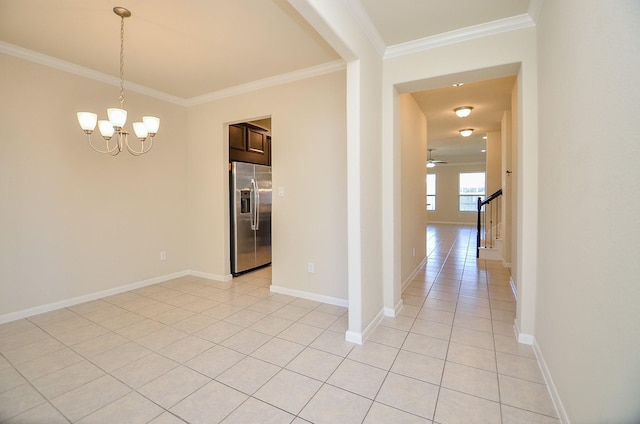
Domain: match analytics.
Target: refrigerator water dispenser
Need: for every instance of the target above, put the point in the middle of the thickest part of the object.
(245, 201)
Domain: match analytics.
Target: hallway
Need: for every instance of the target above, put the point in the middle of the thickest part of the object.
(460, 310)
(200, 351)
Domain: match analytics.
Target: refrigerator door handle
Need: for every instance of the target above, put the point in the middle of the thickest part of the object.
(257, 207)
(254, 206)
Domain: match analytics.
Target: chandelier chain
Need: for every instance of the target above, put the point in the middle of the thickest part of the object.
(121, 98)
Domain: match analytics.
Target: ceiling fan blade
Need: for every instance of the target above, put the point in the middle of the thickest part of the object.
(431, 160)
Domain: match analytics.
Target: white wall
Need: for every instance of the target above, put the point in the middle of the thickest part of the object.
(334, 21)
(309, 162)
(506, 162)
(587, 324)
(74, 222)
(414, 171)
(494, 162)
(447, 194)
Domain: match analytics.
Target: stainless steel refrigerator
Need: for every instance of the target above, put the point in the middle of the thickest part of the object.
(250, 200)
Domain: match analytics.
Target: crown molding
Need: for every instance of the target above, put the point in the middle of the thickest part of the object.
(289, 77)
(464, 34)
(370, 30)
(535, 7)
(72, 68)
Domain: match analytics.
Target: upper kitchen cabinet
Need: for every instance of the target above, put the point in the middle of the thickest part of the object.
(249, 143)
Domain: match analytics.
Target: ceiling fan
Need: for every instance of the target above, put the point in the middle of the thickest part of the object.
(432, 162)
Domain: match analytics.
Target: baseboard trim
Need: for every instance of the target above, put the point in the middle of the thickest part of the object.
(394, 312)
(360, 338)
(310, 296)
(409, 279)
(25, 313)
(553, 391)
(514, 288)
(208, 276)
(522, 337)
(353, 337)
(546, 374)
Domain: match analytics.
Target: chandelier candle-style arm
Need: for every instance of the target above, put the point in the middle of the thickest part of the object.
(140, 130)
(147, 129)
(87, 122)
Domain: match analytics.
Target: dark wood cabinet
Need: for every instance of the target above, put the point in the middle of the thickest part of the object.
(256, 141)
(237, 140)
(249, 143)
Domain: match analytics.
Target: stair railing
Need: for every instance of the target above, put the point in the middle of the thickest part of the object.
(494, 217)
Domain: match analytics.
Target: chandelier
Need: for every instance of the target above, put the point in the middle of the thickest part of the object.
(144, 130)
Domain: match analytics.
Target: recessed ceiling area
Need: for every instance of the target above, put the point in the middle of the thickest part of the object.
(184, 49)
(489, 99)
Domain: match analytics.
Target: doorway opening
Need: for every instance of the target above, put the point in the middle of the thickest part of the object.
(250, 195)
(445, 154)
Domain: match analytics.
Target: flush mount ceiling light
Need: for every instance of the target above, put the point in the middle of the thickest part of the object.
(458, 84)
(466, 132)
(118, 116)
(463, 111)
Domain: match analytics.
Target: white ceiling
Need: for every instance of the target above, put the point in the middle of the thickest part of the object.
(489, 99)
(196, 48)
(401, 21)
(185, 49)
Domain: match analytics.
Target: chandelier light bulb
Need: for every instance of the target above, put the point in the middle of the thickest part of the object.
(106, 129)
(152, 123)
(118, 117)
(466, 132)
(141, 130)
(463, 111)
(87, 121)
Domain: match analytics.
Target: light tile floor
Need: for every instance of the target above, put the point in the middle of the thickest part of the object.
(197, 351)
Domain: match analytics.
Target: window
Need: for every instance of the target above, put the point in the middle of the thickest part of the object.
(431, 192)
(471, 187)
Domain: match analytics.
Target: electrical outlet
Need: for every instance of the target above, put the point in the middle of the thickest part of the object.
(281, 191)
(311, 267)
(163, 256)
